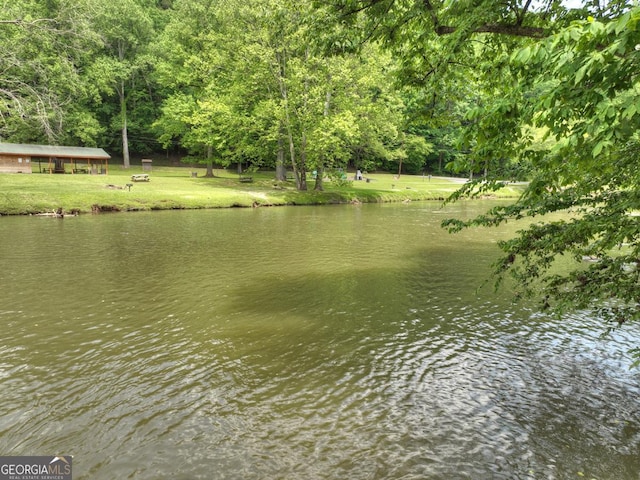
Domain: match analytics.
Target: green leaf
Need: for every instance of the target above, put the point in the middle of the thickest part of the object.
(598, 148)
(523, 55)
(629, 112)
(580, 74)
(621, 24)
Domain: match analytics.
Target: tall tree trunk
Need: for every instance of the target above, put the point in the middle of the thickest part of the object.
(292, 155)
(281, 169)
(319, 186)
(209, 173)
(320, 170)
(302, 164)
(358, 158)
(292, 147)
(302, 172)
(125, 135)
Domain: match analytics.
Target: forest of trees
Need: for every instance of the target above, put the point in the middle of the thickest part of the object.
(511, 89)
(284, 84)
(404, 86)
(263, 83)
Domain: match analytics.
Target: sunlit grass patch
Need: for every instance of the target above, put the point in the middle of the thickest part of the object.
(177, 188)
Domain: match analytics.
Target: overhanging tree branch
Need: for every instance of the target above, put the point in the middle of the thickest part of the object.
(20, 22)
(512, 30)
(432, 14)
(523, 12)
(516, 29)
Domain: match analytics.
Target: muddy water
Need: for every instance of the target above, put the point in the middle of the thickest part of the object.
(297, 343)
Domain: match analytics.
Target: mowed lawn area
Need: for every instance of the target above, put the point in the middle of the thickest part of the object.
(178, 188)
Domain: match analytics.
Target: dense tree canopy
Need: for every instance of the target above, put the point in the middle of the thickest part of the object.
(260, 84)
(41, 91)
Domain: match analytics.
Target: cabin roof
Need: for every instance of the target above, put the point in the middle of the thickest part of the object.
(52, 151)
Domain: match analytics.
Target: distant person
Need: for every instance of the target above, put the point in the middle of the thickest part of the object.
(358, 175)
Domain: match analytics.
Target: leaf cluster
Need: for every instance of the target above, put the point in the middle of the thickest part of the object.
(579, 86)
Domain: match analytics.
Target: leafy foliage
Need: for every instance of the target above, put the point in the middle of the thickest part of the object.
(580, 87)
(42, 92)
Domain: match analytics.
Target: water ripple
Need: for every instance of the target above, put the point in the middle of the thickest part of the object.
(330, 368)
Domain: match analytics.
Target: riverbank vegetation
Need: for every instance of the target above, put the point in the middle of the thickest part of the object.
(188, 188)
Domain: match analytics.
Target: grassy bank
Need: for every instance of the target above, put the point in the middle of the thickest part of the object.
(177, 188)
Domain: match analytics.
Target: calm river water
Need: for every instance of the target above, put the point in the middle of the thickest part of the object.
(345, 342)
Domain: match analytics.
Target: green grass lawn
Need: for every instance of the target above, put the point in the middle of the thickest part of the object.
(176, 188)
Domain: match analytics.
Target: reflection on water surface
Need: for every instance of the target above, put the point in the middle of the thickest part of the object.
(331, 342)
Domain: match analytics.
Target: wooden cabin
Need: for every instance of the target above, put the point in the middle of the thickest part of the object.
(26, 158)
